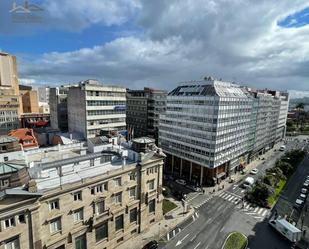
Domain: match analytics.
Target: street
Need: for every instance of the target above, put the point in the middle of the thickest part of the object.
(221, 213)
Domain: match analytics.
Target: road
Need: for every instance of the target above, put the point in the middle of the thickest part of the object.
(220, 215)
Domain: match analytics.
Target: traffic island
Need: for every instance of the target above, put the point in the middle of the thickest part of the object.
(235, 240)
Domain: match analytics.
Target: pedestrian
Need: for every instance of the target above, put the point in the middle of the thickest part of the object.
(203, 191)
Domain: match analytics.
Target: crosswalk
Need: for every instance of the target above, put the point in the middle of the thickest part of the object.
(247, 208)
(230, 197)
(256, 212)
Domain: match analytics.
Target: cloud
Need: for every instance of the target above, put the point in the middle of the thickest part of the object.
(68, 15)
(236, 40)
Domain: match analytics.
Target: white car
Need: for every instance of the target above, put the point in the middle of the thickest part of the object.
(306, 184)
(254, 171)
(302, 197)
(304, 191)
(299, 203)
(181, 182)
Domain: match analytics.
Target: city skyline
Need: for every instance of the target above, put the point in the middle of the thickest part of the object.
(134, 43)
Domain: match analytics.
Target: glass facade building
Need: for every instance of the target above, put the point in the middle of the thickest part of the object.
(210, 127)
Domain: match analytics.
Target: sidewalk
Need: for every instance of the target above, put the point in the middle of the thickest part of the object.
(159, 229)
(238, 176)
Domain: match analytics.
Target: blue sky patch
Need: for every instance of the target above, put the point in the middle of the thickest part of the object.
(296, 20)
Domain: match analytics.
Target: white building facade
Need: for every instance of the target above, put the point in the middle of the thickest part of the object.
(93, 107)
(211, 128)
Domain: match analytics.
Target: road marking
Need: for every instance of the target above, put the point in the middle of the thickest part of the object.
(231, 198)
(260, 211)
(264, 213)
(222, 229)
(180, 241)
(206, 247)
(193, 238)
(185, 237)
(197, 245)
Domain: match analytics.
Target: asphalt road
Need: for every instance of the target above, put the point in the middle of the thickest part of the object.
(206, 231)
(218, 217)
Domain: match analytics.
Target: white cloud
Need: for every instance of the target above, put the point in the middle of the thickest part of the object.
(234, 39)
(79, 14)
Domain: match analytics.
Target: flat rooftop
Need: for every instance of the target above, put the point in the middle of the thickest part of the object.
(74, 173)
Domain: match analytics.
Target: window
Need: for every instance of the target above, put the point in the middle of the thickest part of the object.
(132, 176)
(78, 196)
(133, 215)
(81, 242)
(119, 222)
(151, 184)
(152, 206)
(100, 207)
(118, 197)
(4, 183)
(132, 192)
(12, 244)
(118, 181)
(21, 218)
(99, 188)
(54, 205)
(101, 232)
(55, 225)
(10, 222)
(78, 215)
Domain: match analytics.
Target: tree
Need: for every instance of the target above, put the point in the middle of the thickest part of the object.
(260, 193)
(286, 168)
(300, 106)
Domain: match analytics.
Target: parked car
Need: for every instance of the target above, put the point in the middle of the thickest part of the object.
(299, 203)
(302, 197)
(181, 182)
(254, 171)
(304, 191)
(194, 188)
(306, 185)
(151, 245)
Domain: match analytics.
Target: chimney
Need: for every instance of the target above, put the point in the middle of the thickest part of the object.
(32, 186)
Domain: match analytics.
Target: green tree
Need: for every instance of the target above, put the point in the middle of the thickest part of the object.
(260, 193)
(285, 167)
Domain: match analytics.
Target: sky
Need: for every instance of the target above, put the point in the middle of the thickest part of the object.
(137, 43)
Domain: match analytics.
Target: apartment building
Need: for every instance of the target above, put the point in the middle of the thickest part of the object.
(212, 128)
(10, 103)
(59, 107)
(93, 107)
(143, 110)
(29, 98)
(93, 200)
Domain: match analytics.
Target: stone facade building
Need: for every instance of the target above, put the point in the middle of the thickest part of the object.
(95, 200)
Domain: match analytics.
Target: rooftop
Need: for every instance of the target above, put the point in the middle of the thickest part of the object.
(7, 139)
(11, 166)
(209, 87)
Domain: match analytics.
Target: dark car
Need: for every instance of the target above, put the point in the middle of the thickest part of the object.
(151, 245)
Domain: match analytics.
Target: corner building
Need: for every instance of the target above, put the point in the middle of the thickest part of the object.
(95, 201)
(211, 128)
